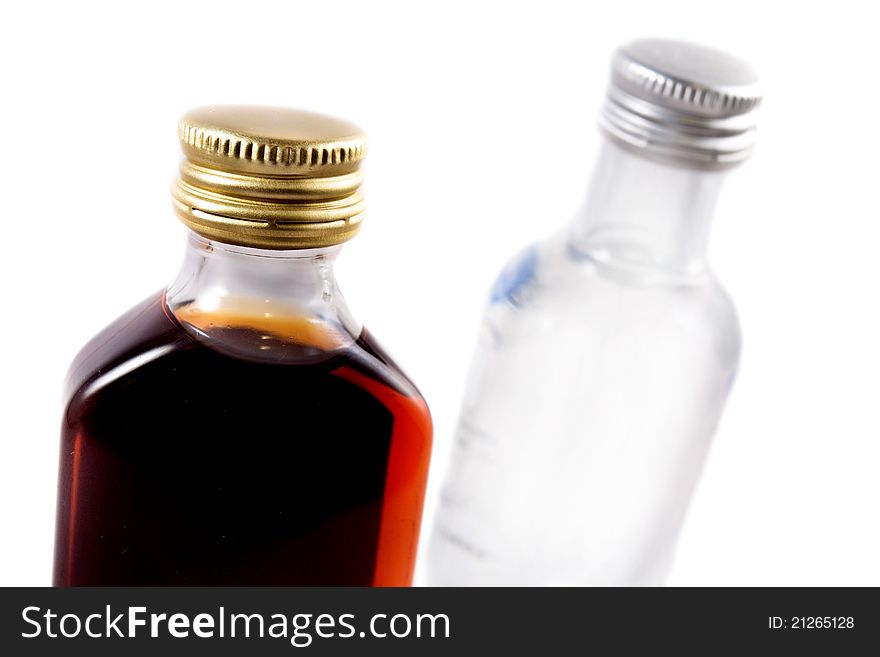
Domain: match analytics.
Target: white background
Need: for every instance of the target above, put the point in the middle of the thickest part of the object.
(482, 125)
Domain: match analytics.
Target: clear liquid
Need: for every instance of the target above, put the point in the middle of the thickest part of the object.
(591, 402)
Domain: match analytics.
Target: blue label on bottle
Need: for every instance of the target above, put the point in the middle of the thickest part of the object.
(514, 277)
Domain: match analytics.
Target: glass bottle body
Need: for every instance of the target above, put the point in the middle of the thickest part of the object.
(240, 429)
(601, 371)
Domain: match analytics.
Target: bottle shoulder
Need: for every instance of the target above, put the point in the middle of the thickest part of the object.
(553, 269)
(149, 353)
(549, 291)
(142, 328)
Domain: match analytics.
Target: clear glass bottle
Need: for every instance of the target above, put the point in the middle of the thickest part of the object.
(607, 352)
(241, 428)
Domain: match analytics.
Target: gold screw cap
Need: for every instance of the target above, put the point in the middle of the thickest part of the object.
(269, 177)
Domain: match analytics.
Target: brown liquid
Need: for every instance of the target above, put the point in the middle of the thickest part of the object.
(267, 452)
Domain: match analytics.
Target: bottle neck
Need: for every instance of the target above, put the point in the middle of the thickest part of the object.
(266, 289)
(643, 215)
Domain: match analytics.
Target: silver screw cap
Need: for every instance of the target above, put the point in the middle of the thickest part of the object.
(682, 102)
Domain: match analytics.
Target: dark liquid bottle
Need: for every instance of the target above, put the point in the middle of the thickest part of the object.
(240, 429)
